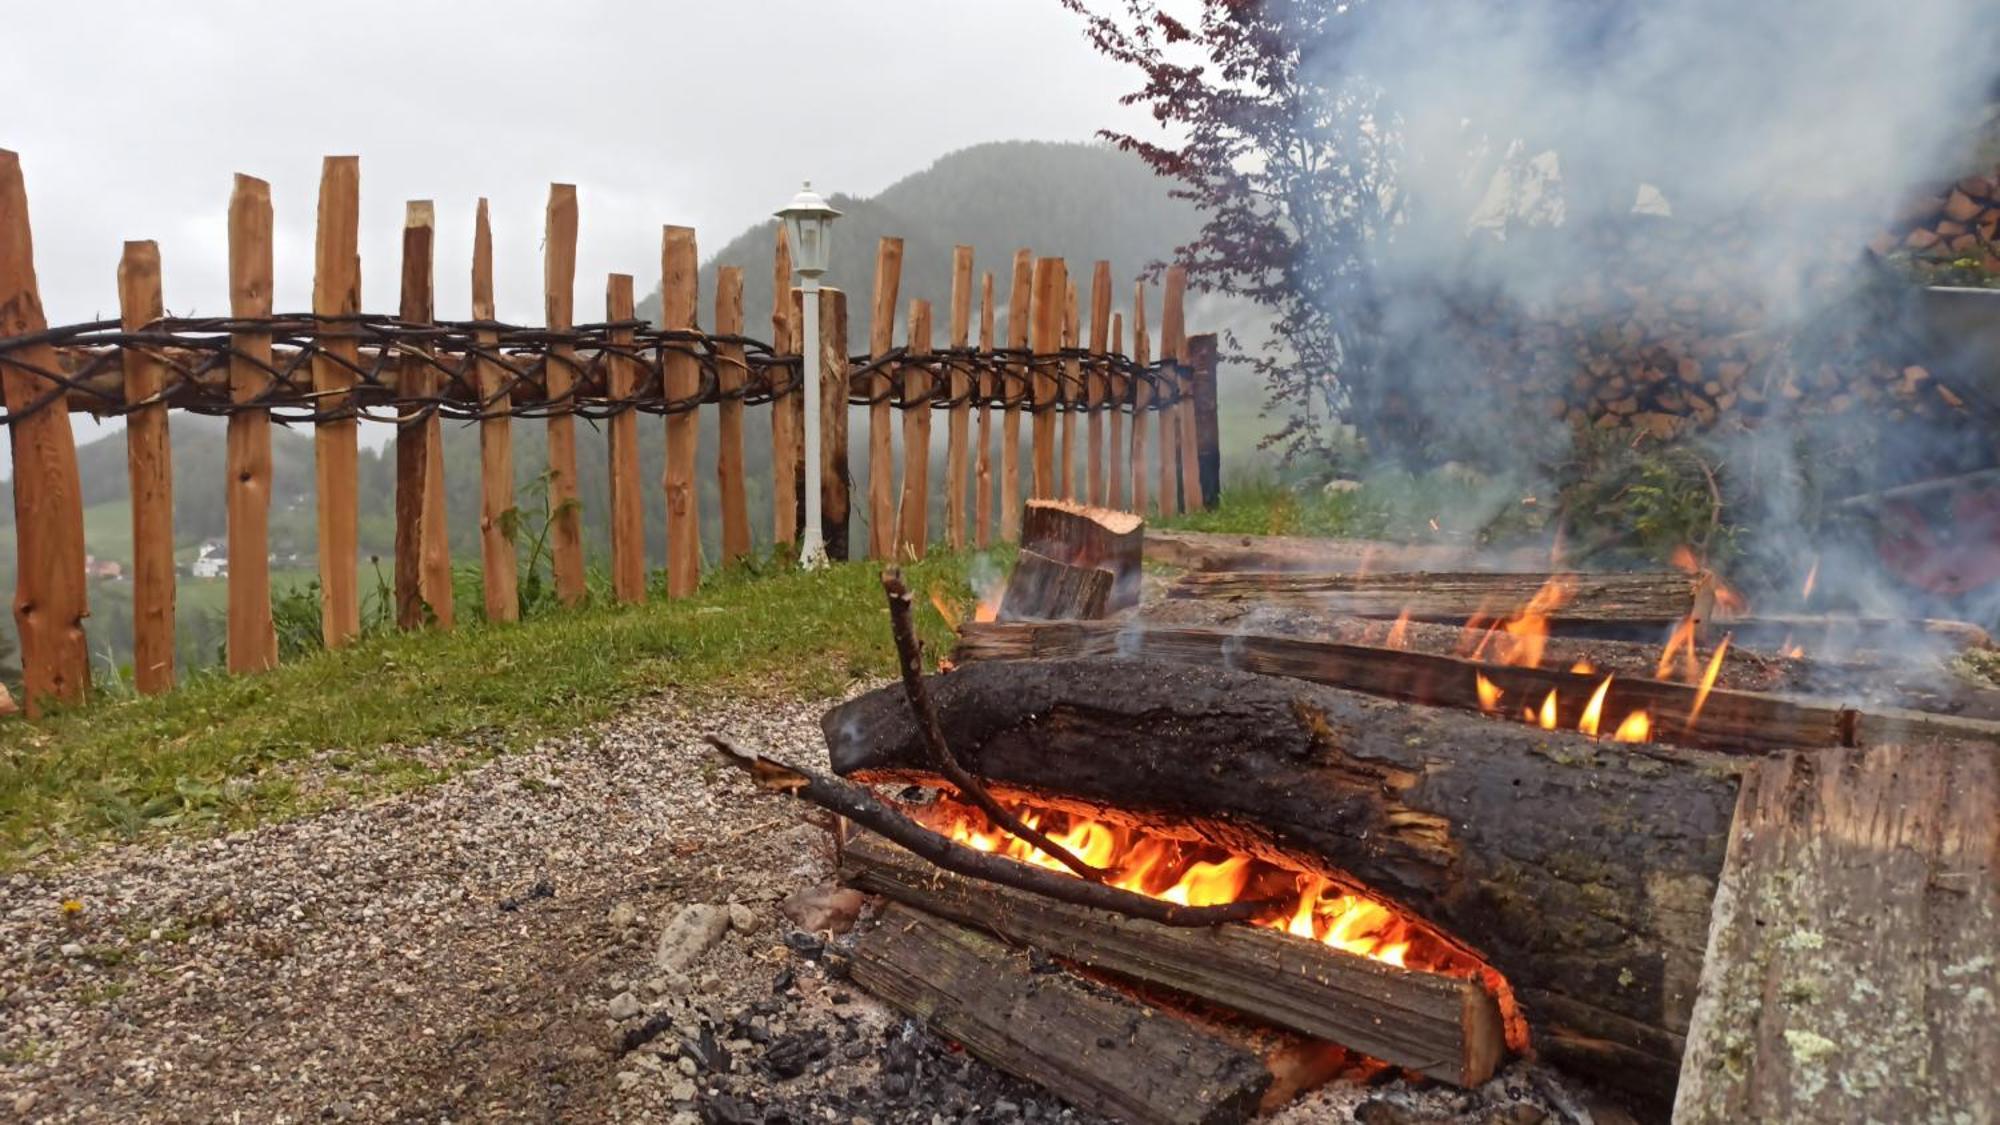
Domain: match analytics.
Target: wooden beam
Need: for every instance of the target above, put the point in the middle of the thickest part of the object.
(1020, 315)
(628, 502)
(1445, 1027)
(1850, 973)
(989, 387)
(1049, 289)
(913, 518)
(498, 566)
(959, 391)
(559, 292)
(252, 640)
(679, 281)
(1648, 598)
(787, 487)
(149, 458)
(1097, 1049)
(881, 460)
(1207, 550)
(836, 475)
(730, 376)
(336, 448)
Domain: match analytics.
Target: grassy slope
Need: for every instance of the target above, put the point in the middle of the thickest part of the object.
(215, 751)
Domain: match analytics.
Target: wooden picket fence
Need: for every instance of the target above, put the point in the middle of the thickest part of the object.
(336, 366)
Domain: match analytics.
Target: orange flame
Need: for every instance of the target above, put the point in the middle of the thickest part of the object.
(1812, 577)
(1594, 710)
(1682, 641)
(1583, 667)
(1548, 716)
(946, 608)
(953, 613)
(1682, 558)
(1791, 651)
(1489, 692)
(1399, 633)
(1637, 727)
(1707, 681)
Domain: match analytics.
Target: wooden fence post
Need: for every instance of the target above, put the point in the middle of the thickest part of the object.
(1202, 357)
(1170, 427)
(1020, 315)
(1049, 288)
(1095, 389)
(836, 478)
(51, 598)
(679, 292)
(1118, 390)
(989, 386)
(252, 641)
(496, 441)
(149, 458)
(1067, 388)
(628, 502)
(1173, 332)
(730, 375)
(559, 295)
(1142, 401)
(960, 392)
(881, 339)
(336, 447)
(913, 534)
(787, 489)
(423, 557)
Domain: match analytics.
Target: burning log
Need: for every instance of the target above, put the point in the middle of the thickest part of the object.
(1102, 1051)
(1581, 871)
(1446, 1027)
(1202, 550)
(1728, 720)
(1078, 535)
(1850, 972)
(1042, 588)
(1573, 601)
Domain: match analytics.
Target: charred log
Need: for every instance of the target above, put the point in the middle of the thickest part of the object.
(1639, 599)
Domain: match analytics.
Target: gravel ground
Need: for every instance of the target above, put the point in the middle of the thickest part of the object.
(591, 930)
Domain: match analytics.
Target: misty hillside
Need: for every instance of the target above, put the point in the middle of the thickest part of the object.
(1081, 202)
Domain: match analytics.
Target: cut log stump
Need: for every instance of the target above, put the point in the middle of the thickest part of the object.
(1046, 590)
(1102, 1051)
(1851, 971)
(1083, 536)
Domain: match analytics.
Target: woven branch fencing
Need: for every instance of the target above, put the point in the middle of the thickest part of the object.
(1061, 363)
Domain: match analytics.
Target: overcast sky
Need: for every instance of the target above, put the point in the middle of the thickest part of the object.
(131, 117)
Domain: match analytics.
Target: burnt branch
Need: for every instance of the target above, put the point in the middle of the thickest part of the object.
(862, 807)
(910, 657)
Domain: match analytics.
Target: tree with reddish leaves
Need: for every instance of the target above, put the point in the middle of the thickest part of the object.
(1292, 160)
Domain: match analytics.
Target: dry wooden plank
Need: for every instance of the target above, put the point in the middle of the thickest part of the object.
(1040, 588)
(1096, 393)
(1850, 973)
(681, 372)
(881, 462)
(989, 386)
(1081, 535)
(1048, 313)
(730, 376)
(1174, 347)
(336, 448)
(498, 566)
(1118, 392)
(1202, 362)
(1142, 405)
(913, 518)
(787, 418)
(1423, 806)
(1020, 316)
(1066, 389)
(1205, 550)
(559, 288)
(149, 459)
(51, 598)
(1099, 1050)
(628, 503)
(1446, 1027)
(420, 546)
(252, 639)
(836, 477)
(1648, 598)
(959, 392)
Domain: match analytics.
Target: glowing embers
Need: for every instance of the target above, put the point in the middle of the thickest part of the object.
(1198, 873)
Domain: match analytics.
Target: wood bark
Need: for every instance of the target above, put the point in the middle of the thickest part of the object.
(881, 461)
(628, 501)
(1100, 1050)
(836, 478)
(1445, 1027)
(497, 564)
(1020, 316)
(336, 441)
(913, 516)
(565, 514)
(1850, 972)
(149, 459)
(419, 468)
(1041, 588)
(253, 640)
(681, 373)
(958, 390)
(1090, 537)
(1647, 599)
(730, 375)
(1581, 871)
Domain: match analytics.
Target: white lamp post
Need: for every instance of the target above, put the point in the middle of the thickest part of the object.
(809, 226)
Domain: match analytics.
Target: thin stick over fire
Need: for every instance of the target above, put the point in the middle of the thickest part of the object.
(869, 811)
(946, 763)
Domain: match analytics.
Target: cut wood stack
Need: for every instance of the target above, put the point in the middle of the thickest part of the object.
(1954, 227)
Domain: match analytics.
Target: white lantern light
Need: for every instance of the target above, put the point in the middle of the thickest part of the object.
(809, 223)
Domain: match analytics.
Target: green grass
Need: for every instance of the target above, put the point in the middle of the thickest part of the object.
(220, 751)
(1387, 505)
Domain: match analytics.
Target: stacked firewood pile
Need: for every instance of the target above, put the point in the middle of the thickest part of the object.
(1954, 228)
